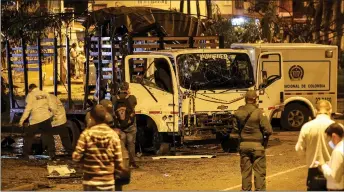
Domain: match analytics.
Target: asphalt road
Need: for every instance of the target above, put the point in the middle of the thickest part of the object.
(285, 170)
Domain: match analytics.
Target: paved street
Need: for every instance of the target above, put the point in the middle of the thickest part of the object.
(285, 170)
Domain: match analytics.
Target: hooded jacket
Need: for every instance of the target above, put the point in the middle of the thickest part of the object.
(59, 112)
(99, 148)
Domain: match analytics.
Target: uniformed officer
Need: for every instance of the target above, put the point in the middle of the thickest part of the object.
(38, 107)
(253, 126)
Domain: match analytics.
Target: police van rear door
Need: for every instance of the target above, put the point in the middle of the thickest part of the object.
(270, 81)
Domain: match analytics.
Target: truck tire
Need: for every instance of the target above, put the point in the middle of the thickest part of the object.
(150, 140)
(294, 116)
(228, 144)
(74, 132)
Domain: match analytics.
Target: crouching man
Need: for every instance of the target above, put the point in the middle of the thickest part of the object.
(59, 124)
(99, 149)
(38, 108)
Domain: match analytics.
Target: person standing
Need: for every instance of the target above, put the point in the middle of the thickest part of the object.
(124, 113)
(59, 124)
(99, 149)
(38, 107)
(81, 59)
(313, 141)
(73, 60)
(121, 179)
(334, 169)
(253, 126)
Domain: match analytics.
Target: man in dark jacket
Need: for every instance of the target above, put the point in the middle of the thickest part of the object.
(253, 126)
(124, 113)
(124, 177)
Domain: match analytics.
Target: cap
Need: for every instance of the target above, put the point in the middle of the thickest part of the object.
(124, 86)
(251, 94)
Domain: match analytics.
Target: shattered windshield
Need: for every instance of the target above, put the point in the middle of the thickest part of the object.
(215, 71)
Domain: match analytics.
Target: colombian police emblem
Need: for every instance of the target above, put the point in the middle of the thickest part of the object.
(296, 73)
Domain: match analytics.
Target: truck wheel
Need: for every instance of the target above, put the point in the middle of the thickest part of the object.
(294, 116)
(228, 143)
(74, 132)
(150, 140)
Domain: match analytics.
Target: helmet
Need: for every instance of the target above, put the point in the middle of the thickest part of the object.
(251, 94)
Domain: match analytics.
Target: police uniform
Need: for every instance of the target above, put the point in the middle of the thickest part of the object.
(252, 152)
(38, 108)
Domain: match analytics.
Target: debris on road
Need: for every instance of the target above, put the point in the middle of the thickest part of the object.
(60, 171)
(29, 187)
(184, 157)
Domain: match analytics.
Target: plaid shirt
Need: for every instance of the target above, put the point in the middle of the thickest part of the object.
(99, 149)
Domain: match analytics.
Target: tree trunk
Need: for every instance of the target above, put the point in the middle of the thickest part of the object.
(327, 19)
(337, 15)
(198, 9)
(317, 19)
(181, 8)
(209, 9)
(189, 6)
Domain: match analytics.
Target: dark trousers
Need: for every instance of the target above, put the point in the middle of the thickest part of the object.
(99, 187)
(43, 128)
(62, 131)
(316, 180)
(128, 138)
(256, 160)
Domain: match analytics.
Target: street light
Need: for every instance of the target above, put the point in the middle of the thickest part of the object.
(238, 21)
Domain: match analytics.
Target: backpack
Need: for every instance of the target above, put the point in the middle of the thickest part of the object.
(124, 112)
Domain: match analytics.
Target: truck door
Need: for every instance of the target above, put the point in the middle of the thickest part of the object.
(152, 80)
(270, 82)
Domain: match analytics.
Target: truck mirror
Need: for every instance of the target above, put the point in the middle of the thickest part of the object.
(328, 54)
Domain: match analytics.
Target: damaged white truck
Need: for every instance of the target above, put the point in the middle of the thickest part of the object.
(191, 94)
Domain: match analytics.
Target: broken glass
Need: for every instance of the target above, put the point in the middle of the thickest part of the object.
(199, 71)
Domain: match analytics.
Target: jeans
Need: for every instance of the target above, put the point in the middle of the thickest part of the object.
(62, 131)
(44, 128)
(128, 138)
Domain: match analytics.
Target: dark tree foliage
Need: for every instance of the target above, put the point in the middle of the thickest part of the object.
(28, 21)
(248, 33)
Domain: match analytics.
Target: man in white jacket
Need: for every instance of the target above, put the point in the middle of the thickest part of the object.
(39, 109)
(334, 169)
(314, 143)
(59, 123)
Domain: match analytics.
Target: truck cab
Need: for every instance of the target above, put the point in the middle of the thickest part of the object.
(191, 94)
